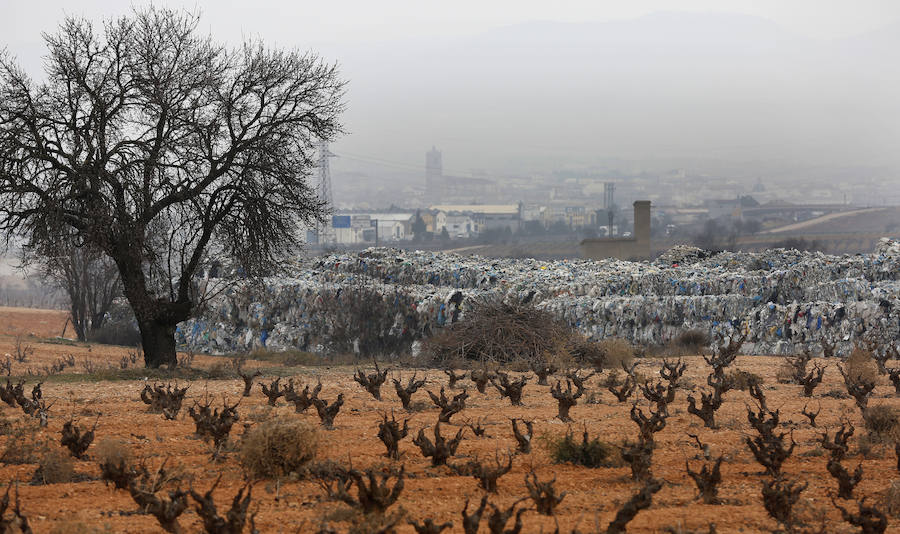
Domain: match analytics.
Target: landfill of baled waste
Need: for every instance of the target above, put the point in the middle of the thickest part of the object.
(786, 300)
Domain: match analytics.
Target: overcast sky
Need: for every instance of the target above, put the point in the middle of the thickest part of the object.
(492, 86)
(311, 23)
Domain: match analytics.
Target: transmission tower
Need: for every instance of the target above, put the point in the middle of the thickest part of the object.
(324, 189)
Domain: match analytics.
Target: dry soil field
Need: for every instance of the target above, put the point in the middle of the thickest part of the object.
(593, 495)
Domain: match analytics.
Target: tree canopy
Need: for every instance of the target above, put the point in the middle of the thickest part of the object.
(164, 149)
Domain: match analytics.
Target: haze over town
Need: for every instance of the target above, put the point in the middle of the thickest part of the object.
(523, 87)
(692, 107)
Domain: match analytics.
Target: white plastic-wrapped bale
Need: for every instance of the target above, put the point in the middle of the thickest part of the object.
(384, 299)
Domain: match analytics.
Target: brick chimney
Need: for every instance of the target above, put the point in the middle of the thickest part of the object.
(642, 225)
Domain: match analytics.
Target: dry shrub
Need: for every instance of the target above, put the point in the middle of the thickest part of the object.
(341, 514)
(565, 357)
(813, 453)
(696, 339)
(55, 466)
(113, 451)
(785, 373)
(518, 366)
(220, 371)
(688, 343)
(121, 333)
(616, 378)
(290, 357)
(375, 523)
(890, 502)
(585, 350)
(23, 443)
(860, 366)
(882, 422)
(869, 447)
(503, 333)
(613, 379)
(278, 447)
(614, 352)
(743, 380)
(258, 414)
(6, 426)
(589, 452)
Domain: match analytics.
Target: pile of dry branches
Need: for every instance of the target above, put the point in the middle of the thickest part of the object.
(499, 332)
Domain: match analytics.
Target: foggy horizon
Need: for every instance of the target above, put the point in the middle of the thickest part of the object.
(739, 87)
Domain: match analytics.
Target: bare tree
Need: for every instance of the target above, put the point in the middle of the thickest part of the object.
(168, 152)
(88, 277)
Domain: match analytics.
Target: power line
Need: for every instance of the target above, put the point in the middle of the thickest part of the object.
(379, 161)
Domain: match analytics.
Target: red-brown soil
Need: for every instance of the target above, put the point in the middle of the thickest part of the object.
(298, 506)
(27, 321)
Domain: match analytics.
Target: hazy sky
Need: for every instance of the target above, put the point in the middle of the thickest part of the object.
(806, 80)
(309, 23)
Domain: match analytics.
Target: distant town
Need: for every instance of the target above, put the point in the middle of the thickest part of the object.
(558, 216)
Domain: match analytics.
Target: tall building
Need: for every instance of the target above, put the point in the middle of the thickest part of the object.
(434, 172)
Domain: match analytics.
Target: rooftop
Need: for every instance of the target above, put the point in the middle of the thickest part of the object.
(384, 217)
(506, 209)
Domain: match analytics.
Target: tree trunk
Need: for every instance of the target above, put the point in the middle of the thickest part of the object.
(97, 320)
(157, 318)
(78, 322)
(158, 343)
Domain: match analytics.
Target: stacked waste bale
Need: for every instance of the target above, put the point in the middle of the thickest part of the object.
(785, 299)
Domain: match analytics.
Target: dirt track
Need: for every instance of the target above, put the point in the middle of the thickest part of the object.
(593, 494)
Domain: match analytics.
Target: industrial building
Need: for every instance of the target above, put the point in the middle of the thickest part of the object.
(359, 228)
(486, 216)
